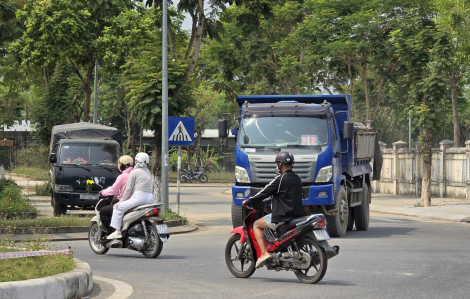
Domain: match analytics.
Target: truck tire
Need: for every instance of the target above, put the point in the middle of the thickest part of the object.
(338, 223)
(238, 215)
(362, 211)
(58, 209)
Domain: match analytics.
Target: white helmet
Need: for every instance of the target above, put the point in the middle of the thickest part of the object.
(142, 158)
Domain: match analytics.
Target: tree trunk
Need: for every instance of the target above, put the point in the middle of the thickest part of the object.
(157, 168)
(141, 139)
(426, 154)
(86, 108)
(455, 114)
(134, 151)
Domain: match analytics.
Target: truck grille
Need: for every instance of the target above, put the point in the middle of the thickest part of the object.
(264, 172)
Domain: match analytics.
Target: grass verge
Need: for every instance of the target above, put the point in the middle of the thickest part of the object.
(169, 215)
(35, 173)
(15, 269)
(46, 222)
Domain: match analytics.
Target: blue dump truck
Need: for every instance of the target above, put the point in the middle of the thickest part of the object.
(333, 156)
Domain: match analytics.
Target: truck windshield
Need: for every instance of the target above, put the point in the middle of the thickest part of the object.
(88, 154)
(284, 131)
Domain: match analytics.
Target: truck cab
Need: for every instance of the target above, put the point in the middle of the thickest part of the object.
(79, 153)
(318, 132)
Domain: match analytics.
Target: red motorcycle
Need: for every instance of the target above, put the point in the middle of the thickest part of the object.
(299, 245)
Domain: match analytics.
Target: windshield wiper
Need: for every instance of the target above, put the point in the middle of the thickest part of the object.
(76, 165)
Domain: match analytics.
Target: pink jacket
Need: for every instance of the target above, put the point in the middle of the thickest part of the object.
(119, 184)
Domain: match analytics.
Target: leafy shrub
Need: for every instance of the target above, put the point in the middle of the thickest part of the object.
(12, 200)
(33, 156)
(5, 182)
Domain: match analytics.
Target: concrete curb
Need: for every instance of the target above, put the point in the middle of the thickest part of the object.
(184, 229)
(67, 229)
(74, 284)
(421, 213)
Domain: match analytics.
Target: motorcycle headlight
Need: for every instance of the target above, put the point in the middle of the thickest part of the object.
(241, 175)
(324, 175)
(63, 188)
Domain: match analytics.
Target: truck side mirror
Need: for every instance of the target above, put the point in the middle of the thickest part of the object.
(348, 130)
(53, 158)
(223, 128)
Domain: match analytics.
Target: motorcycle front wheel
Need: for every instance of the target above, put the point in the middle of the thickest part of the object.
(243, 267)
(317, 269)
(93, 239)
(203, 178)
(156, 244)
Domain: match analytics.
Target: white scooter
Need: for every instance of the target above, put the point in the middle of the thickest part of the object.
(142, 230)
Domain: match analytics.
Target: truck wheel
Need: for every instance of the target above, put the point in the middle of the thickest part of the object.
(58, 209)
(350, 219)
(338, 223)
(238, 215)
(362, 211)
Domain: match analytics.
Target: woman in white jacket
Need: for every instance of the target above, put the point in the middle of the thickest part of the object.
(139, 185)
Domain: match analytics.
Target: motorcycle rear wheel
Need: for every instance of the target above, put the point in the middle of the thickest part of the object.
(203, 178)
(246, 259)
(319, 262)
(157, 245)
(183, 179)
(95, 244)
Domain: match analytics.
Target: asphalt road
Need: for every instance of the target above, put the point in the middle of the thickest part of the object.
(398, 257)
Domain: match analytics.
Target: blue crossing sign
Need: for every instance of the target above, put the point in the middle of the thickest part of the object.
(181, 130)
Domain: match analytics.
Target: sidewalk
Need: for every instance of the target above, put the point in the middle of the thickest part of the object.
(448, 209)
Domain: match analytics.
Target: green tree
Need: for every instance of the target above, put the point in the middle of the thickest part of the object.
(424, 49)
(63, 30)
(454, 19)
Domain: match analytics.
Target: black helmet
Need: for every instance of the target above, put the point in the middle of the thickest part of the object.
(285, 158)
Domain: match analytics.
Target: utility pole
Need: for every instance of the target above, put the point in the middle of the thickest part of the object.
(95, 102)
(165, 107)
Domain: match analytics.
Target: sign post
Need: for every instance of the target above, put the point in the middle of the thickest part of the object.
(181, 132)
(165, 105)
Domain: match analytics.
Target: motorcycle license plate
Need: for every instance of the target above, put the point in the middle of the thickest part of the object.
(321, 235)
(162, 229)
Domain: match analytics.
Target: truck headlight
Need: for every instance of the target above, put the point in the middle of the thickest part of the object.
(241, 175)
(324, 175)
(63, 188)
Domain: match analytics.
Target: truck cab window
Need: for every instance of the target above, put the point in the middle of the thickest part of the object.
(88, 154)
(284, 131)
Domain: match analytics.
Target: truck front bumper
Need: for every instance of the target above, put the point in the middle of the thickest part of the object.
(314, 195)
(76, 198)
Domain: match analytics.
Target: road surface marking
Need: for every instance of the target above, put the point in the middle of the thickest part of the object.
(121, 289)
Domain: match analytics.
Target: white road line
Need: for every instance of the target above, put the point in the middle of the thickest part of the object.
(122, 290)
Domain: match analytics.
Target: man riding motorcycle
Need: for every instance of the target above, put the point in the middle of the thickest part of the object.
(139, 185)
(286, 190)
(125, 164)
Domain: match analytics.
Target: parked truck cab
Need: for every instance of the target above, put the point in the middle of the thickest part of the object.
(80, 153)
(332, 157)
